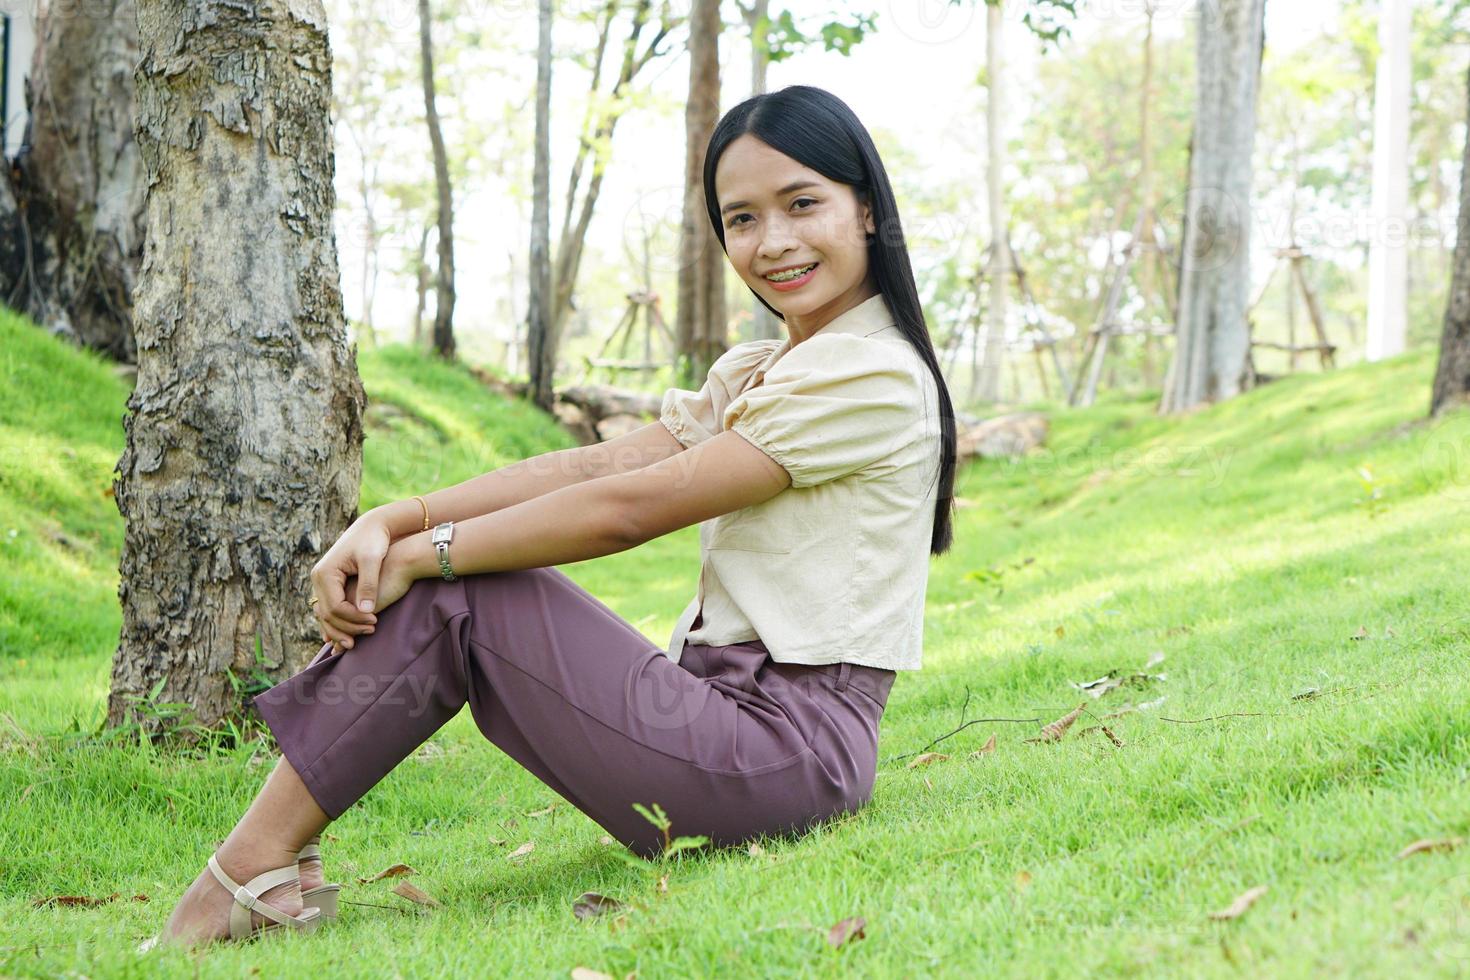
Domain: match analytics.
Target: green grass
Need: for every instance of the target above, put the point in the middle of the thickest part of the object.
(1243, 543)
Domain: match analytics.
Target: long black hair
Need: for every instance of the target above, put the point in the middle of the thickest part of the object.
(817, 129)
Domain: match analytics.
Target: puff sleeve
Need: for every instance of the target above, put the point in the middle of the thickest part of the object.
(831, 406)
(694, 416)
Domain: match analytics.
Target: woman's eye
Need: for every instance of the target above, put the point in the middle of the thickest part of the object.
(736, 220)
(800, 199)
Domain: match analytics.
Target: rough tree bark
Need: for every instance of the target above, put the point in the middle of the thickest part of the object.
(444, 282)
(244, 433)
(1212, 346)
(72, 222)
(1452, 376)
(700, 319)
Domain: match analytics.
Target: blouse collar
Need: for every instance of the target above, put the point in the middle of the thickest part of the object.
(868, 317)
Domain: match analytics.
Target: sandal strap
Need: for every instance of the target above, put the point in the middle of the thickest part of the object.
(247, 898)
(309, 851)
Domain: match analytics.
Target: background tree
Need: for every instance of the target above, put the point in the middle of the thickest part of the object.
(986, 385)
(539, 270)
(71, 211)
(1452, 376)
(1388, 276)
(700, 318)
(1212, 337)
(444, 274)
(244, 433)
(604, 110)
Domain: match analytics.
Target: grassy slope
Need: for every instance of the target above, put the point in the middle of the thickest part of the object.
(1239, 542)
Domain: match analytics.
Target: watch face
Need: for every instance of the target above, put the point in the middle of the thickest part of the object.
(441, 533)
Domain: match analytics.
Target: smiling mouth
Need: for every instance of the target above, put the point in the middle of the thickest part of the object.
(791, 274)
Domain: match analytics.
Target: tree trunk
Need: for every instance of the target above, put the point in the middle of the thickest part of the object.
(987, 386)
(701, 314)
(764, 324)
(540, 353)
(596, 143)
(73, 223)
(444, 281)
(244, 432)
(1452, 377)
(421, 287)
(1212, 346)
(1388, 253)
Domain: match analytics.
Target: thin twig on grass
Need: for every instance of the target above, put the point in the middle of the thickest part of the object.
(972, 721)
(1233, 714)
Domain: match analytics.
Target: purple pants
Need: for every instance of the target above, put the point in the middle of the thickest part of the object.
(730, 743)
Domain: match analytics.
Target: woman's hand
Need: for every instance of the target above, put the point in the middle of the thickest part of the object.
(358, 552)
(394, 580)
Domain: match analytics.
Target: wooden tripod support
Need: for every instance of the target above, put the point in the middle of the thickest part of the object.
(642, 305)
(1295, 259)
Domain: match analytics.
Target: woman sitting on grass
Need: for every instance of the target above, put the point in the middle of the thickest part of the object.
(820, 468)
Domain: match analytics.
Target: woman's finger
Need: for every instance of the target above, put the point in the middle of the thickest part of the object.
(346, 626)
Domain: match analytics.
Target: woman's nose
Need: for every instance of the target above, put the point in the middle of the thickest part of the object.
(776, 240)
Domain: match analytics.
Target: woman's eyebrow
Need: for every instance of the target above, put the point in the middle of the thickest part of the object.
(793, 186)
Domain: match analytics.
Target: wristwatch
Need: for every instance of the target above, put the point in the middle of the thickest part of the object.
(443, 534)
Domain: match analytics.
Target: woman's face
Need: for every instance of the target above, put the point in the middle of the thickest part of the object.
(778, 214)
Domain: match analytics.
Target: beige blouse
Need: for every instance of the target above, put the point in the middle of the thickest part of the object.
(834, 568)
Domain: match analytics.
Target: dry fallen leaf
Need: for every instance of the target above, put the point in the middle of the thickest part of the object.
(590, 904)
(848, 929)
(606, 839)
(82, 901)
(663, 884)
(755, 850)
(1237, 908)
(583, 973)
(1058, 728)
(521, 851)
(987, 749)
(395, 871)
(1420, 846)
(924, 758)
(1023, 878)
(1361, 634)
(1106, 731)
(497, 841)
(414, 894)
(542, 812)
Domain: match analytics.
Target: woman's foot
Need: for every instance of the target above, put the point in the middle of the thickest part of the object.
(311, 869)
(203, 911)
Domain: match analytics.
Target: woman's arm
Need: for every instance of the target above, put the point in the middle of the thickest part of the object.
(531, 478)
(604, 516)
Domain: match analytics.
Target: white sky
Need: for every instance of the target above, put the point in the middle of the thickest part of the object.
(913, 77)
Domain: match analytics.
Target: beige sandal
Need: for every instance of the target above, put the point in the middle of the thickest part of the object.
(323, 897)
(247, 900)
